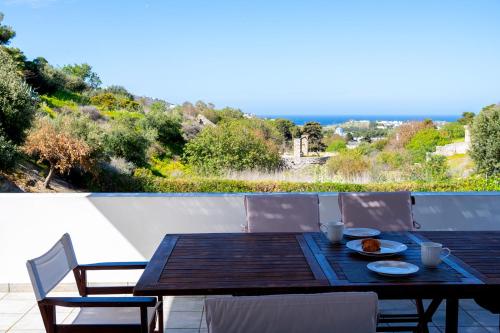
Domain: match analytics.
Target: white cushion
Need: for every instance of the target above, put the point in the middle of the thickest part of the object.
(317, 313)
(98, 316)
(282, 213)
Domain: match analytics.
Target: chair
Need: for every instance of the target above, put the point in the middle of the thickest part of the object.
(96, 314)
(491, 304)
(386, 211)
(338, 312)
(282, 213)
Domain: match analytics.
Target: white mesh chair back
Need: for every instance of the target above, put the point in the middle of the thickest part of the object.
(49, 269)
(316, 313)
(282, 213)
(386, 211)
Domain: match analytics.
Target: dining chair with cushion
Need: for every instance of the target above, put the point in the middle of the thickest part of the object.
(340, 312)
(282, 213)
(95, 314)
(386, 211)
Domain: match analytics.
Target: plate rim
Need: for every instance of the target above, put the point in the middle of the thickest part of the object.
(377, 232)
(371, 268)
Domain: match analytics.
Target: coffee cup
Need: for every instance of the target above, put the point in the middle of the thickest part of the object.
(433, 253)
(334, 231)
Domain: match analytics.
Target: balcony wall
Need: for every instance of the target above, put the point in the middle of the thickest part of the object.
(124, 227)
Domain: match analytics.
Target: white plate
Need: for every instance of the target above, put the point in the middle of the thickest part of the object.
(387, 248)
(392, 268)
(361, 232)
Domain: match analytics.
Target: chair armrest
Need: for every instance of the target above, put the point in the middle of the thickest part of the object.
(81, 302)
(114, 266)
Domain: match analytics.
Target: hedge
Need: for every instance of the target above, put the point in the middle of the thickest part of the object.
(151, 183)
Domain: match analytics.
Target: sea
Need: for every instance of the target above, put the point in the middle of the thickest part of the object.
(326, 120)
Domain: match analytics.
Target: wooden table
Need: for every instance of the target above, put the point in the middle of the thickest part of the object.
(272, 263)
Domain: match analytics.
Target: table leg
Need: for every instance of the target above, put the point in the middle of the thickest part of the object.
(451, 315)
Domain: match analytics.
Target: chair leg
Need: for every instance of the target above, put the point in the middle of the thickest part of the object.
(160, 315)
(422, 320)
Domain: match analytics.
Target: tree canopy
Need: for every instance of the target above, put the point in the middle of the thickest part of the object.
(486, 140)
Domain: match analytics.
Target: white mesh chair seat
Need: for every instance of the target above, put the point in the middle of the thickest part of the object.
(386, 211)
(282, 213)
(111, 316)
(317, 313)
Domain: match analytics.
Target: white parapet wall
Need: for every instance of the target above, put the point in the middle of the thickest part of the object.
(128, 227)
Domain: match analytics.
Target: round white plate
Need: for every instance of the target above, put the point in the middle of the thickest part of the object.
(361, 232)
(387, 248)
(392, 268)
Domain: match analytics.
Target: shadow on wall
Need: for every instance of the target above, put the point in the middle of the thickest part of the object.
(144, 220)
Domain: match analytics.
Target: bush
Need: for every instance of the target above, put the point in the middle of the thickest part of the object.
(17, 101)
(425, 141)
(169, 128)
(454, 130)
(336, 145)
(8, 154)
(486, 140)
(349, 164)
(110, 101)
(150, 183)
(235, 145)
(123, 140)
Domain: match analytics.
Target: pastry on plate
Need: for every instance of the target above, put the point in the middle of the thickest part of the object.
(370, 245)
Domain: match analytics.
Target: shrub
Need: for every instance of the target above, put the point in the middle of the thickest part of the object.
(17, 101)
(58, 148)
(337, 145)
(486, 140)
(110, 101)
(404, 133)
(151, 183)
(453, 130)
(349, 164)
(8, 153)
(123, 140)
(168, 127)
(92, 112)
(425, 141)
(235, 145)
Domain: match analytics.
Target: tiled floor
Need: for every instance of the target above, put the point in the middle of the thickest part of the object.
(19, 313)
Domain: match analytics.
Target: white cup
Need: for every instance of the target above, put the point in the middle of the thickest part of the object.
(432, 253)
(334, 231)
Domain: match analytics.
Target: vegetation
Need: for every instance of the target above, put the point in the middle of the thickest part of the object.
(108, 139)
(233, 145)
(58, 148)
(486, 140)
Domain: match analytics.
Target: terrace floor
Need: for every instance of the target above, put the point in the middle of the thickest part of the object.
(19, 313)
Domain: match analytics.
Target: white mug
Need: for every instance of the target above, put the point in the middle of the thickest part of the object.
(432, 253)
(334, 231)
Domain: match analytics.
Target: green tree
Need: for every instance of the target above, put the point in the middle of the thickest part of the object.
(84, 72)
(231, 146)
(17, 101)
(285, 127)
(6, 32)
(467, 118)
(425, 141)
(8, 153)
(486, 140)
(315, 132)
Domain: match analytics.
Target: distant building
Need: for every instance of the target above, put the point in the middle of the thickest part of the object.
(339, 131)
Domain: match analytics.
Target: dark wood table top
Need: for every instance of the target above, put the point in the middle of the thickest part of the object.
(249, 264)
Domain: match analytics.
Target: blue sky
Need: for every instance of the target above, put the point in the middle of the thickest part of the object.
(278, 57)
